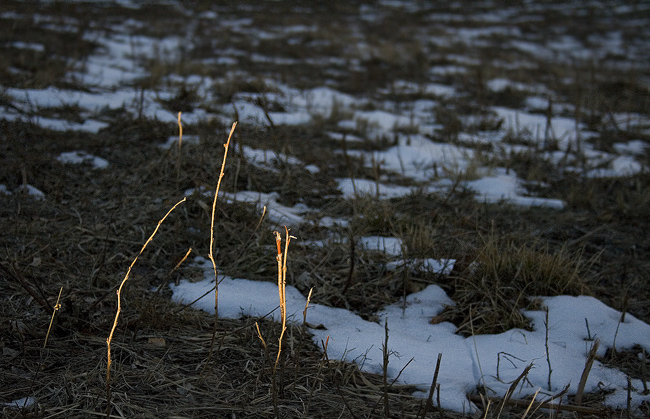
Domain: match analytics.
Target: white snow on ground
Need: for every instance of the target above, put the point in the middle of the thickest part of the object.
(275, 212)
(442, 266)
(27, 45)
(173, 141)
(79, 157)
(634, 147)
(20, 403)
(321, 100)
(388, 245)
(31, 191)
(503, 186)
(415, 156)
(361, 187)
(535, 126)
(466, 362)
(419, 158)
(440, 90)
(267, 158)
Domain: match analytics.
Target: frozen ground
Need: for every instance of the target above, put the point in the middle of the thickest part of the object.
(397, 130)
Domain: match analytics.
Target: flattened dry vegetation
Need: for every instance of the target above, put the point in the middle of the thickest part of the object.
(84, 233)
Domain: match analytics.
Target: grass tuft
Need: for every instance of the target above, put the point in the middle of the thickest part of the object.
(505, 275)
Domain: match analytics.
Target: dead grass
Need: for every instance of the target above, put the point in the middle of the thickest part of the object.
(499, 282)
(158, 354)
(92, 223)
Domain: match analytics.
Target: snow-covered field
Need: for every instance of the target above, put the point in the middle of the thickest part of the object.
(393, 124)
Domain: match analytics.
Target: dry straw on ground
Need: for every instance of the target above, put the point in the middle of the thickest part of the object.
(84, 235)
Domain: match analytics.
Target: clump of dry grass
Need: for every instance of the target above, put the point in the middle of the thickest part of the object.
(491, 291)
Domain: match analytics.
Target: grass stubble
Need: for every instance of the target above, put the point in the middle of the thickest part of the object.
(82, 235)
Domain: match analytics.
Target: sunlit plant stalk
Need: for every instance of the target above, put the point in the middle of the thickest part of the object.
(119, 310)
(281, 259)
(211, 254)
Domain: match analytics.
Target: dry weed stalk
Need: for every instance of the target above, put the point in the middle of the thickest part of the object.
(585, 372)
(618, 325)
(165, 280)
(548, 355)
(304, 331)
(281, 259)
(282, 284)
(385, 386)
(385, 354)
(532, 401)
(432, 389)
(109, 361)
(211, 254)
(282, 289)
(338, 386)
(546, 404)
(513, 387)
(266, 348)
(57, 306)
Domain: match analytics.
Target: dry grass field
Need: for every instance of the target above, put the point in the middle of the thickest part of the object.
(322, 92)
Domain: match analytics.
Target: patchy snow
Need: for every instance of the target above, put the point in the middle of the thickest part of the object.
(322, 100)
(466, 362)
(79, 157)
(63, 125)
(352, 188)
(268, 159)
(439, 266)
(634, 147)
(348, 137)
(173, 141)
(31, 191)
(534, 126)
(275, 212)
(445, 70)
(388, 245)
(419, 158)
(27, 45)
(312, 168)
(405, 137)
(504, 186)
(20, 403)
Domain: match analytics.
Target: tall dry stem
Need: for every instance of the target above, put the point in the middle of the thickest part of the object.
(211, 254)
(282, 284)
(281, 259)
(385, 370)
(57, 306)
(548, 355)
(109, 361)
